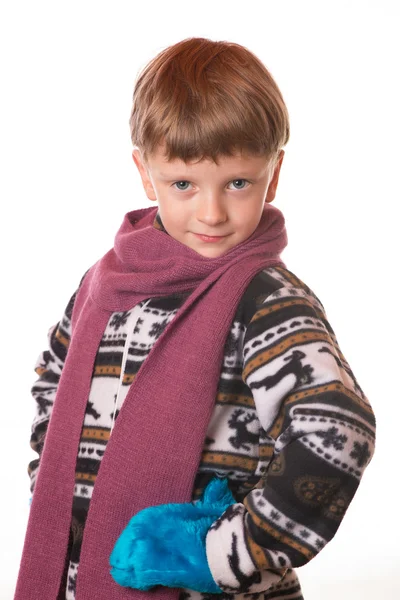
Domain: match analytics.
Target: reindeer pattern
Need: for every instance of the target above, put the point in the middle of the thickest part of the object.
(238, 443)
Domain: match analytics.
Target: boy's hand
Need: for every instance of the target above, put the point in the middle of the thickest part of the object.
(165, 544)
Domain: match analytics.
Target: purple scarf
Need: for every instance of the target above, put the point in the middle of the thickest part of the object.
(155, 449)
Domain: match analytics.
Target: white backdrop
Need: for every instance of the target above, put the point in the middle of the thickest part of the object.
(67, 178)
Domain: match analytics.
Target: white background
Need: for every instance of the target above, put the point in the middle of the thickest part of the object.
(67, 178)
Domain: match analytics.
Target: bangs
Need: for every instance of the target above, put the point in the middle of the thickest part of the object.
(201, 99)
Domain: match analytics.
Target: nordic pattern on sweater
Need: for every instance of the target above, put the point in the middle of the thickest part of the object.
(291, 429)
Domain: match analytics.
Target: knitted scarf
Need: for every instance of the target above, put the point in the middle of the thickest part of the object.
(153, 454)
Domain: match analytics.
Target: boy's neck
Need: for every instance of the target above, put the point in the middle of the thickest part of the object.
(157, 223)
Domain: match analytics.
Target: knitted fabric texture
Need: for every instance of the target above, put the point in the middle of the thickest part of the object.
(170, 400)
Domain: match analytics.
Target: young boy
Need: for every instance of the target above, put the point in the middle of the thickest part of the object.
(200, 433)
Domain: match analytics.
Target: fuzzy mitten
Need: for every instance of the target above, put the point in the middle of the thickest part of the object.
(165, 544)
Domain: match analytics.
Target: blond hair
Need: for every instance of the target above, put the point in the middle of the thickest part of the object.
(201, 98)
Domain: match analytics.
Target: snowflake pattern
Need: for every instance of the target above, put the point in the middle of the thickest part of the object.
(119, 319)
(331, 438)
(275, 515)
(276, 294)
(157, 329)
(360, 453)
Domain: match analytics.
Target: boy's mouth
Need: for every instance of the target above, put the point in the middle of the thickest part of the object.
(210, 238)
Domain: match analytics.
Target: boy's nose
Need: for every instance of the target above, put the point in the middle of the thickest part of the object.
(211, 212)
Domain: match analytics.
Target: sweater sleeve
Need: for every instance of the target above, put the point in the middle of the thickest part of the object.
(319, 430)
(48, 367)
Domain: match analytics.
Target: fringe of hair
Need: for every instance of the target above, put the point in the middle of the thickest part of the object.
(201, 98)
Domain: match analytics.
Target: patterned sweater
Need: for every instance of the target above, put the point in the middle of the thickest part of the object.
(291, 430)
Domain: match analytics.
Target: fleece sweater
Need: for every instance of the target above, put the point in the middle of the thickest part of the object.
(291, 429)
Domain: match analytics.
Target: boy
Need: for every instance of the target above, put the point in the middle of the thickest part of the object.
(200, 405)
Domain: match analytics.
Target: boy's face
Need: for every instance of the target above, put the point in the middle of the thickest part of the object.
(224, 201)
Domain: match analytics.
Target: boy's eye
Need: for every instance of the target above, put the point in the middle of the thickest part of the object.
(179, 182)
(184, 182)
(240, 180)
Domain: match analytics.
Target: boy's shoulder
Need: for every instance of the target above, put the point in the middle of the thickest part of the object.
(273, 282)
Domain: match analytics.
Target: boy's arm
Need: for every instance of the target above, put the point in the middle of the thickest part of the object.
(49, 365)
(319, 431)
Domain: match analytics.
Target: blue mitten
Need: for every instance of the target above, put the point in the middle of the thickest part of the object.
(165, 544)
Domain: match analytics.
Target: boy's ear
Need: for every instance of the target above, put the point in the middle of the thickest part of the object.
(147, 185)
(273, 184)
